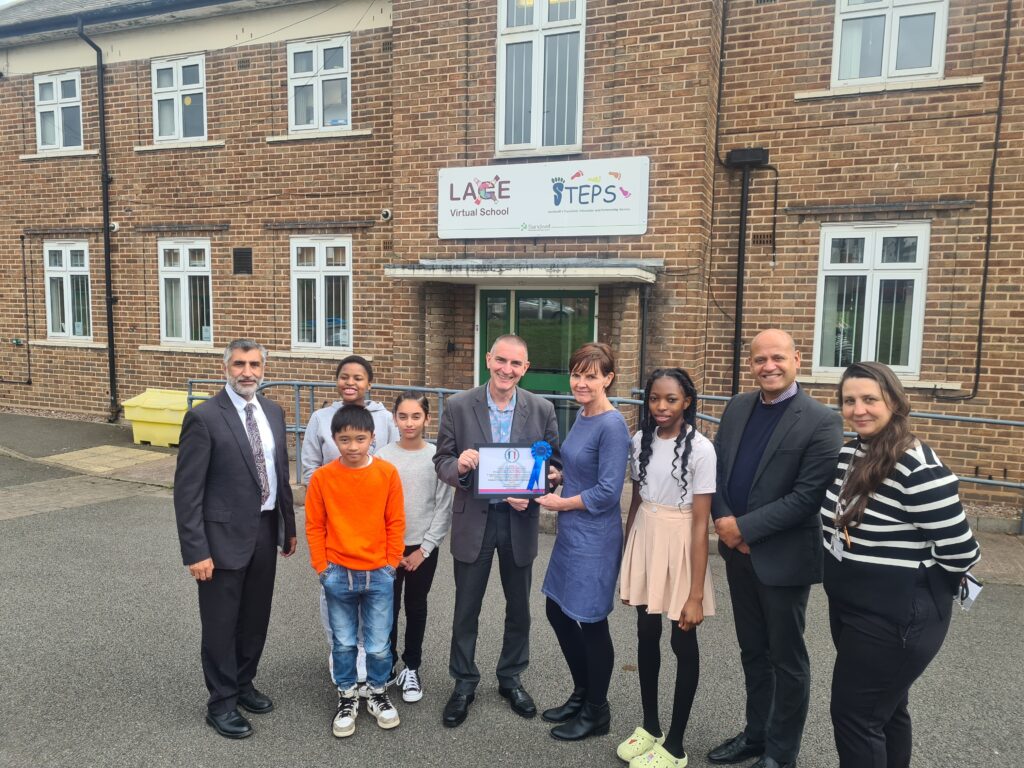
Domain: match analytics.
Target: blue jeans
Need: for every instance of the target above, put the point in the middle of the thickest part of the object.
(351, 596)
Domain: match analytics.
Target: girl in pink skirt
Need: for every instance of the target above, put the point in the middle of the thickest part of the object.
(665, 563)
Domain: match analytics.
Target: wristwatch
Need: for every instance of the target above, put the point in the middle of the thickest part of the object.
(425, 553)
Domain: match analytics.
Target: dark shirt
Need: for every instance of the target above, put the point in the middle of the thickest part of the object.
(762, 422)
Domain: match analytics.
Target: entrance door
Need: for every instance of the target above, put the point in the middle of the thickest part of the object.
(553, 323)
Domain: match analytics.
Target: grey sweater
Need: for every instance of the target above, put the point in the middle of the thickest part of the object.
(318, 446)
(428, 500)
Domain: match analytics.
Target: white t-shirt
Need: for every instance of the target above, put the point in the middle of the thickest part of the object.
(660, 486)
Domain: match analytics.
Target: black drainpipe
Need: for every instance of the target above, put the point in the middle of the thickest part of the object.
(27, 381)
(115, 408)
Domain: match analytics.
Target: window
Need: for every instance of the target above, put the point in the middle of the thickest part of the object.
(179, 99)
(540, 75)
(881, 40)
(68, 314)
(321, 292)
(871, 287)
(185, 307)
(58, 111)
(319, 85)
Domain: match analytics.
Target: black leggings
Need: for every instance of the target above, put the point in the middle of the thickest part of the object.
(684, 645)
(587, 647)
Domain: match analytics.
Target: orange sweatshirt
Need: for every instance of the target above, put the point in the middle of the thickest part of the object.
(355, 517)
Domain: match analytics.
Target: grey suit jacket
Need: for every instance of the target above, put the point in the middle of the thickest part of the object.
(466, 423)
(782, 524)
(217, 488)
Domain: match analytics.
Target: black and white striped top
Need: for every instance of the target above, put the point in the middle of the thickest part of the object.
(913, 521)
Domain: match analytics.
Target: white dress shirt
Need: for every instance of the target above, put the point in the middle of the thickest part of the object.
(266, 437)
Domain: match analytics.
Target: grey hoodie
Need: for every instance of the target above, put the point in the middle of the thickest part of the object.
(318, 446)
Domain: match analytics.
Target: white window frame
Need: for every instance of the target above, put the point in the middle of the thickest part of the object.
(319, 271)
(316, 79)
(893, 11)
(183, 271)
(876, 272)
(536, 33)
(175, 93)
(64, 271)
(55, 106)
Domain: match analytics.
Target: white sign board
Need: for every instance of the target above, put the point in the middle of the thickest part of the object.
(569, 198)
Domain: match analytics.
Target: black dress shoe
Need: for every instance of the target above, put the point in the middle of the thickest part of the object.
(771, 762)
(255, 702)
(230, 724)
(456, 709)
(593, 720)
(520, 700)
(735, 750)
(567, 711)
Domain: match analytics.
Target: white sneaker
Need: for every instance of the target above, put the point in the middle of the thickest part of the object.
(412, 689)
(344, 723)
(380, 706)
(363, 689)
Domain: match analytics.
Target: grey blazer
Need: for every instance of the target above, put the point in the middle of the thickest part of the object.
(782, 524)
(466, 423)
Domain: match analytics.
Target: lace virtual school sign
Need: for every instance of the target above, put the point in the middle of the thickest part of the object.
(563, 199)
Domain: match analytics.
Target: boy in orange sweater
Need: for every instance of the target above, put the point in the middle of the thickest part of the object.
(355, 526)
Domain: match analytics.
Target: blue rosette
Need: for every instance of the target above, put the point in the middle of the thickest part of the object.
(541, 451)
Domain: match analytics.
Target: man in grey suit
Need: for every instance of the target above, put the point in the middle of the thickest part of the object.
(777, 450)
(233, 504)
(497, 412)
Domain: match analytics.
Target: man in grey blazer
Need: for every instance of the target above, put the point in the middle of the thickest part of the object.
(233, 504)
(777, 450)
(497, 412)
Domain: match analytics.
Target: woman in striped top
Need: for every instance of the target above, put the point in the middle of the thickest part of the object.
(899, 546)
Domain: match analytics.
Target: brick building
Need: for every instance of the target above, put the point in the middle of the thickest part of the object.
(317, 175)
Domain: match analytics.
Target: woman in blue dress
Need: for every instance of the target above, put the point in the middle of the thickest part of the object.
(580, 582)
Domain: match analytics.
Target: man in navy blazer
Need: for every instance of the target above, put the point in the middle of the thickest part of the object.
(233, 504)
(777, 450)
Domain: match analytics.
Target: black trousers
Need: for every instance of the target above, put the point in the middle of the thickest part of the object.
(470, 586)
(770, 631)
(234, 608)
(876, 663)
(416, 585)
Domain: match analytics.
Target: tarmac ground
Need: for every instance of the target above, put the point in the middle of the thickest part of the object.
(100, 654)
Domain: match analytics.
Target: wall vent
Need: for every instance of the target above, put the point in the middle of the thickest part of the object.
(242, 261)
(762, 239)
(243, 64)
(386, 46)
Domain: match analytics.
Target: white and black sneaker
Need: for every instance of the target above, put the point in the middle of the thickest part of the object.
(344, 723)
(380, 706)
(412, 689)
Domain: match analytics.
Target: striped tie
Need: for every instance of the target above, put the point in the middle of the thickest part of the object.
(257, 452)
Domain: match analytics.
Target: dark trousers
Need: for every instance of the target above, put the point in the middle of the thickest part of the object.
(234, 609)
(876, 663)
(770, 631)
(470, 585)
(416, 585)
(587, 647)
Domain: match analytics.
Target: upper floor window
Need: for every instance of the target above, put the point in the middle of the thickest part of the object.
(871, 287)
(882, 40)
(540, 76)
(321, 292)
(319, 85)
(68, 312)
(179, 99)
(185, 306)
(58, 111)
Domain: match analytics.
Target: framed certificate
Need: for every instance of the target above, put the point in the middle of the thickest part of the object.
(512, 469)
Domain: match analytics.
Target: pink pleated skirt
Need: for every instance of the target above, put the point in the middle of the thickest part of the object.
(656, 565)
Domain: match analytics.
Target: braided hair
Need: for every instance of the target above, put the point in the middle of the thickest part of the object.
(684, 440)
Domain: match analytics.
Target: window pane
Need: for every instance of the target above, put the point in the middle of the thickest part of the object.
(302, 61)
(68, 89)
(47, 129)
(192, 115)
(172, 258)
(561, 10)
(165, 117)
(303, 95)
(847, 250)
(199, 308)
(172, 307)
(190, 74)
(899, 250)
(57, 319)
(561, 84)
(518, 92)
(197, 257)
(335, 256)
(334, 58)
(305, 256)
(80, 325)
(335, 101)
(914, 41)
(895, 311)
(55, 258)
(305, 310)
(336, 310)
(76, 258)
(842, 320)
(860, 48)
(165, 78)
(46, 92)
(71, 126)
(519, 13)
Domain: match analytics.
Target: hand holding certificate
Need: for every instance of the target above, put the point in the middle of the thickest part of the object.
(512, 469)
